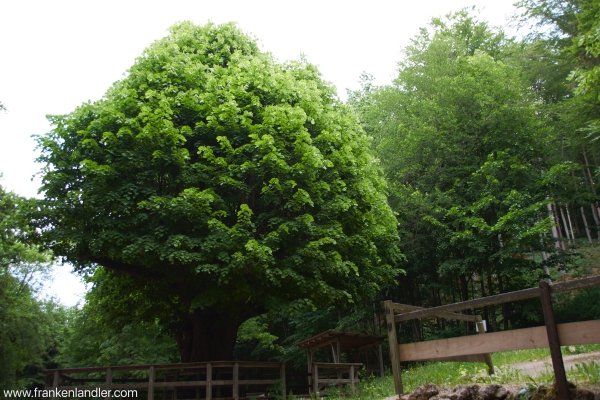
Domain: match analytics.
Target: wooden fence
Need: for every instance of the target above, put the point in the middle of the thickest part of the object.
(552, 335)
(201, 378)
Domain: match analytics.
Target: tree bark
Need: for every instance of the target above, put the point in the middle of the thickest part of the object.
(587, 228)
(504, 305)
(556, 228)
(464, 289)
(486, 315)
(570, 223)
(210, 334)
(492, 307)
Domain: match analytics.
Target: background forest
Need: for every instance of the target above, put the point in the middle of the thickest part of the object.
(485, 147)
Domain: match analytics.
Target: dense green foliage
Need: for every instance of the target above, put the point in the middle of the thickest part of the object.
(29, 327)
(218, 183)
(464, 154)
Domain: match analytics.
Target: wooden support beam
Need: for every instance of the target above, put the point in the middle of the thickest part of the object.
(405, 308)
(573, 333)
(553, 342)
(501, 298)
(388, 306)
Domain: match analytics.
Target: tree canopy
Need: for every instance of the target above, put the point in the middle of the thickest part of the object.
(213, 183)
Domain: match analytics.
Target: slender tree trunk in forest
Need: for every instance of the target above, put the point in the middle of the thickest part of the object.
(575, 221)
(596, 219)
(438, 302)
(555, 229)
(417, 330)
(590, 184)
(570, 223)
(587, 228)
(565, 224)
(587, 166)
(464, 288)
(504, 305)
(545, 263)
(492, 307)
(486, 315)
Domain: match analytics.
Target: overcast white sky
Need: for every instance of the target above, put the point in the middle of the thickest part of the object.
(57, 54)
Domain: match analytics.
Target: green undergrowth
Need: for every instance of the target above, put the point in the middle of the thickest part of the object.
(449, 374)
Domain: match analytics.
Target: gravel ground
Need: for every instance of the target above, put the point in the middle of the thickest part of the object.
(536, 367)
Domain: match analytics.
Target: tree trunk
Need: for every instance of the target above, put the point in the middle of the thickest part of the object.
(464, 289)
(417, 330)
(209, 334)
(566, 226)
(485, 309)
(492, 307)
(587, 227)
(555, 229)
(504, 306)
(570, 223)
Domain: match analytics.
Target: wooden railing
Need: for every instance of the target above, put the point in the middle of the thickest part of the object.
(552, 335)
(204, 377)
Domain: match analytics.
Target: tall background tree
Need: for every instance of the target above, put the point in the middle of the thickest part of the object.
(31, 328)
(214, 183)
(462, 149)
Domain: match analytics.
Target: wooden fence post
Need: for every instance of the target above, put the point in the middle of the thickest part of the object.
(108, 383)
(282, 377)
(55, 383)
(553, 342)
(315, 379)
(236, 381)
(487, 356)
(388, 306)
(151, 383)
(208, 381)
(310, 358)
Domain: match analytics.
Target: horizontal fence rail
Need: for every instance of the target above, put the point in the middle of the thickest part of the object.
(499, 299)
(573, 333)
(57, 379)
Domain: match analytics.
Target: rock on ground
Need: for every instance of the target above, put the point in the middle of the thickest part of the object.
(430, 391)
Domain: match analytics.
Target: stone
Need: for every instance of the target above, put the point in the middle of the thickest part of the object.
(584, 394)
(424, 392)
(494, 392)
(461, 392)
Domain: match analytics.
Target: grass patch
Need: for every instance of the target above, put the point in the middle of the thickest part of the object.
(449, 374)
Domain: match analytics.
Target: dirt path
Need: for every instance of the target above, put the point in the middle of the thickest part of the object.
(536, 367)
